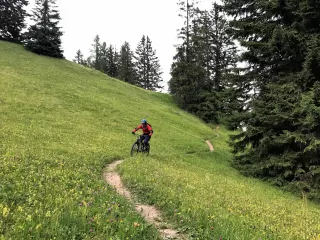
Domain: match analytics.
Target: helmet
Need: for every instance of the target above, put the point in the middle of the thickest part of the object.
(143, 121)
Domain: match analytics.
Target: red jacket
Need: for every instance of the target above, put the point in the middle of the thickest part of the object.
(147, 130)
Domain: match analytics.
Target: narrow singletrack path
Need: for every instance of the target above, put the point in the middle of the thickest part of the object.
(148, 212)
(210, 146)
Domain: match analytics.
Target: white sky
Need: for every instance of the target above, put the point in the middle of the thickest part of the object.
(117, 21)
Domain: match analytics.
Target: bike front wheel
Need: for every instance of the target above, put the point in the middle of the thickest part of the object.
(134, 149)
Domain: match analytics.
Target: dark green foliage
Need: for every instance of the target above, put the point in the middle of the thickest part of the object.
(203, 62)
(79, 58)
(12, 19)
(209, 107)
(126, 65)
(281, 141)
(185, 84)
(104, 58)
(44, 36)
(97, 52)
(236, 97)
(147, 66)
(182, 85)
(145, 72)
(112, 58)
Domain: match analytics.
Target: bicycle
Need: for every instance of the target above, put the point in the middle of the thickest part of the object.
(139, 146)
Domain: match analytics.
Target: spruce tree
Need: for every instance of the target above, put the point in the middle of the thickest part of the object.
(219, 58)
(96, 55)
(112, 61)
(147, 66)
(103, 57)
(203, 61)
(12, 19)
(236, 98)
(281, 141)
(79, 58)
(44, 36)
(184, 72)
(126, 65)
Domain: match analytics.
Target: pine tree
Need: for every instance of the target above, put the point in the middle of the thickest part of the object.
(44, 37)
(126, 65)
(112, 58)
(12, 19)
(219, 58)
(186, 73)
(225, 52)
(79, 58)
(103, 57)
(281, 141)
(147, 65)
(107, 58)
(88, 62)
(96, 55)
(202, 64)
(236, 98)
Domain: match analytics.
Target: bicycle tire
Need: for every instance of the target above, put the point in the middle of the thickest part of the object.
(146, 150)
(134, 149)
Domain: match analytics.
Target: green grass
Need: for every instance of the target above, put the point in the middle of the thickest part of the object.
(209, 200)
(61, 123)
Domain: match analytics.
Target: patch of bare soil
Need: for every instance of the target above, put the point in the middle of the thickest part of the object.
(149, 213)
(210, 146)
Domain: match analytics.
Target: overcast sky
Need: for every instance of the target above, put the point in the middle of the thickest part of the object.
(117, 21)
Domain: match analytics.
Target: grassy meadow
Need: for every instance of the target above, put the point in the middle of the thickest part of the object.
(61, 124)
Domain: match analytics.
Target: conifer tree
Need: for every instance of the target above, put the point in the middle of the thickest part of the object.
(236, 98)
(44, 36)
(96, 54)
(112, 61)
(219, 57)
(281, 141)
(88, 62)
(147, 66)
(126, 65)
(184, 72)
(79, 58)
(12, 19)
(202, 64)
(103, 57)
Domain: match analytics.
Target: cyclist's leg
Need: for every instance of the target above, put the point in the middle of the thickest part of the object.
(141, 138)
(146, 140)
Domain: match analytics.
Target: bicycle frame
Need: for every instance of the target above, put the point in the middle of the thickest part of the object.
(141, 147)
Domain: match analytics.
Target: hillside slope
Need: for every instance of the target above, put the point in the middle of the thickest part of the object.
(61, 123)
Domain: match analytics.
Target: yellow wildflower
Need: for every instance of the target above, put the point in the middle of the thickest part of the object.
(38, 226)
(48, 214)
(5, 212)
(136, 224)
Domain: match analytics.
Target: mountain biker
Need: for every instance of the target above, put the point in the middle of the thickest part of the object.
(147, 132)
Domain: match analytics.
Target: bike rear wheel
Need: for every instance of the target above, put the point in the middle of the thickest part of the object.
(134, 149)
(146, 150)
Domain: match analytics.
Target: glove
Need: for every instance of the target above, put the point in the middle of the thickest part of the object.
(133, 133)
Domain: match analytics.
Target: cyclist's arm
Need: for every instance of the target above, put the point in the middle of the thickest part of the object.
(137, 128)
(150, 130)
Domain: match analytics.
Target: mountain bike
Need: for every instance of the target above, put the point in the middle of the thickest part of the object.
(140, 147)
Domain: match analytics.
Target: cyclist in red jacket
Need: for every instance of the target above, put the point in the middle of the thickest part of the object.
(147, 131)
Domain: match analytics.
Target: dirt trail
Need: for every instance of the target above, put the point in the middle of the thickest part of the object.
(148, 212)
(210, 146)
